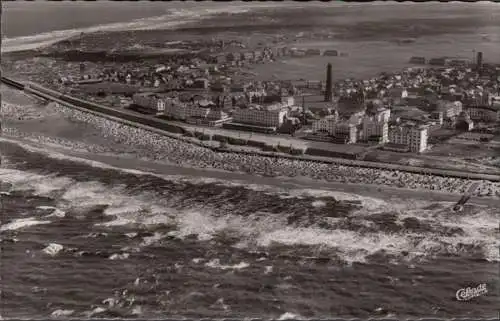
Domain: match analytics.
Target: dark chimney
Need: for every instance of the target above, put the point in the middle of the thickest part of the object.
(479, 62)
(329, 85)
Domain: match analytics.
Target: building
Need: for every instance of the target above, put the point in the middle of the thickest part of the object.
(257, 54)
(149, 101)
(325, 125)
(376, 126)
(233, 56)
(331, 53)
(464, 122)
(483, 113)
(346, 133)
(450, 109)
(459, 62)
(438, 116)
(247, 56)
(409, 134)
(265, 116)
(343, 132)
(175, 109)
(288, 101)
(217, 58)
(495, 101)
(201, 83)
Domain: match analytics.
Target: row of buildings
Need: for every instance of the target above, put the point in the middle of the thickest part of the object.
(210, 113)
(374, 127)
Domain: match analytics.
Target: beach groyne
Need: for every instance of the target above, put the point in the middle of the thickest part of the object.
(162, 127)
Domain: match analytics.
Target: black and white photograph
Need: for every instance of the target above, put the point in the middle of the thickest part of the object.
(268, 160)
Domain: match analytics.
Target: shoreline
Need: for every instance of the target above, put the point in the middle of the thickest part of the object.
(165, 169)
(194, 158)
(181, 151)
(145, 123)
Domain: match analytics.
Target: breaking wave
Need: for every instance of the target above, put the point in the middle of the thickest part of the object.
(351, 227)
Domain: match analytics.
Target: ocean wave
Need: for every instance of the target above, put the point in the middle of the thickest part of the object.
(261, 216)
(22, 223)
(53, 249)
(215, 263)
(42, 185)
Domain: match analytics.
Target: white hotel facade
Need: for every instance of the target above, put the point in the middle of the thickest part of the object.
(377, 125)
(270, 116)
(175, 109)
(411, 135)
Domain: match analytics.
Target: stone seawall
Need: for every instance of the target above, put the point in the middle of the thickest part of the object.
(189, 151)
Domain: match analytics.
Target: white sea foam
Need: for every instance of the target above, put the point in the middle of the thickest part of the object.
(22, 223)
(215, 263)
(150, 240)
(46, 208)
(55, 211)
(131, 235)
(41, 184)
(53, 249)
(196, 223)
(318, 204)
(61, 313)
(264, 228)
(95, 311)
(290, 316)
(137, 310)
(117, 256)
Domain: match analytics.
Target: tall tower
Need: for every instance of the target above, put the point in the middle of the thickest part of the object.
(329, 85)
(479, 61)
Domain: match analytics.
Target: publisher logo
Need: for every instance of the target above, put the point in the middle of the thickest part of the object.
(468, 293)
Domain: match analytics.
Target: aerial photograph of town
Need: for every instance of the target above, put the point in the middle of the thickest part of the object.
(236, 160)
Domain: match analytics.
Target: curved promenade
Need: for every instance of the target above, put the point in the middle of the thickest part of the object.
(163, 127)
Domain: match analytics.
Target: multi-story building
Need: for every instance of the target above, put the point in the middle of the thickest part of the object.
(342, 132)
(149, 101)
(376, 125)
(346, 133)
(197, 111)
(494, 101)
(438, 116)
(265, 116)
(411, 135)
(287, 101)
(484, 113)
(450, 109)
(175, 109)
(325, 125)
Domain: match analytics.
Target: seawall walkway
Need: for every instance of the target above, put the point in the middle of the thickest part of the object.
(164, 127)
